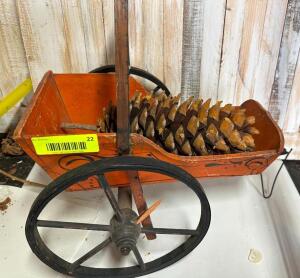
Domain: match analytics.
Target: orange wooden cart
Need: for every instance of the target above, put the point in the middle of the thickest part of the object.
(125, 160)
(79, 98)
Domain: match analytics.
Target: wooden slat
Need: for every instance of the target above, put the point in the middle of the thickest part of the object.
(13, 64)
(153, 37)
(235, 10)
(94, 33)
(172, 42)
(212, 47)
(109, 30)
(292, 118)
(146, 36)
(192, 47)
(43, 33)
(269, 49)
(286, 65)
(74, 35)
(253, 27)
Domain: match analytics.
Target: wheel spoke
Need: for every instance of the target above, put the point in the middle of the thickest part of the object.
(110, 196)
(139, 258)
(90, 254)
(169, 231)
(72, 225)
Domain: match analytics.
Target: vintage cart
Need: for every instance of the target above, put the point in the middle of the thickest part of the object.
(127, 161)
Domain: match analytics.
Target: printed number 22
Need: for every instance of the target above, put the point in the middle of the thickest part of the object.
(90, 139)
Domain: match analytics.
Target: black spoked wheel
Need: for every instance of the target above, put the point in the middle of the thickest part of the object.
(121, 224)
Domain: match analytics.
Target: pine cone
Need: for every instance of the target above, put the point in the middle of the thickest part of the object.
(188, 128)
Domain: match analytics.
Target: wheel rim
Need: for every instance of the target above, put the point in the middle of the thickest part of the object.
(99, 167)
(138, 72)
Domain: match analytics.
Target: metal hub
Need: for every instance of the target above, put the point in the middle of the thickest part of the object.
(125, 233)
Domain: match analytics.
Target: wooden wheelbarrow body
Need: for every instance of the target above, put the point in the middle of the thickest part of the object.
(79, 98)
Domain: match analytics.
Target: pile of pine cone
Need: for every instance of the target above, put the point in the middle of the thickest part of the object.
(187, 128)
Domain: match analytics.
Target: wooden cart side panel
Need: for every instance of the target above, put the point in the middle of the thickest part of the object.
(205, 166)
(47, 112)
(42, 118)
(271, 136)
(85, 95)
(44, 112)
(34, 100)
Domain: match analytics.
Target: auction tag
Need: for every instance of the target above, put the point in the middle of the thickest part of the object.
(64, 144)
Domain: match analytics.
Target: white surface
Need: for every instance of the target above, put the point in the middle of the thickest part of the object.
(242, 222)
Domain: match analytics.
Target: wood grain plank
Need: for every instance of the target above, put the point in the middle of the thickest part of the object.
(235, 10)
(94, 33)
(253, 27)
(292, 118)
(153, 37)
(269, 50)
(212, 47)
(192, 47)
(74, 35)
(109, 30)
(146, 37)
(286, 65)
(43, 34)
(136, 29)
(172, 42)
(13, 64)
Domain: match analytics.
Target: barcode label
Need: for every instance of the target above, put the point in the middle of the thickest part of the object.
(65, 144)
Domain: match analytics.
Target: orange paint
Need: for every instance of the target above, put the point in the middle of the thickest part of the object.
(79, 98)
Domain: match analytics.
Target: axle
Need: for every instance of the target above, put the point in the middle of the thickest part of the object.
(126, 232)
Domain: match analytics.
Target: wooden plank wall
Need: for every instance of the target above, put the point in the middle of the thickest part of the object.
(224, 49)
(13, 64)
(192, 43)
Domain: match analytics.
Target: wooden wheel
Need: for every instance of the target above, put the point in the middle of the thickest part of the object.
(123, 231)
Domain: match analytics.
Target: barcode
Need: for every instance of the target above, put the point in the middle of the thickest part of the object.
(66, 146)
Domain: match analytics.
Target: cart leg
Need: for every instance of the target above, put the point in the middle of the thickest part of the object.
(140, 201)
(124, 197)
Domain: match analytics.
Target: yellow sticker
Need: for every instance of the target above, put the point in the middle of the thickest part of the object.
(64, 144)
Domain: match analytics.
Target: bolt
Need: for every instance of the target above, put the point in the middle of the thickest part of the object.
(125, 251)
